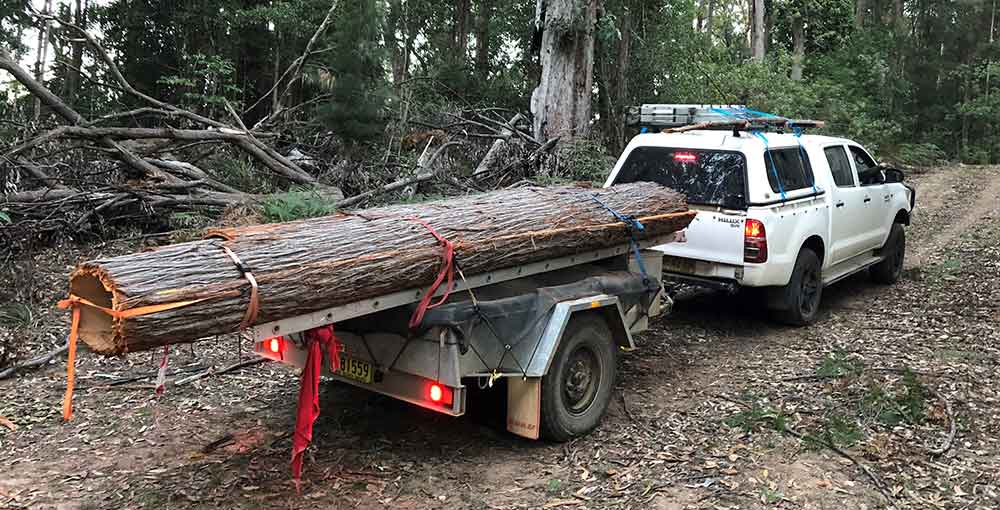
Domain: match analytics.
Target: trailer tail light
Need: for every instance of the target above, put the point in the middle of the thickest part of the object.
(754, 242)
(439, 394)
(274, 345)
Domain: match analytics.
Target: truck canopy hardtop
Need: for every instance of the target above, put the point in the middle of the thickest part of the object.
(720, 168)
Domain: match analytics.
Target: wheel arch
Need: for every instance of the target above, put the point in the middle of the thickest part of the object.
(606, 307)
(902, 216)
(817, 245)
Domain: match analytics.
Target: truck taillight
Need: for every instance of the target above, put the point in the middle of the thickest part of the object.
(754, 242)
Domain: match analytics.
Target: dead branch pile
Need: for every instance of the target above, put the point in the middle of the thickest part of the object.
(313, 264)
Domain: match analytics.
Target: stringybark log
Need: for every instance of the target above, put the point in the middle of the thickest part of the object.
(313, 264)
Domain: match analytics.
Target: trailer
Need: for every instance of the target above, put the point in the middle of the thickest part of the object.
(552, 329)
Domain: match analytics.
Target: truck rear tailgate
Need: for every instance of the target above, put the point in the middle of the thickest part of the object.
(713, 236)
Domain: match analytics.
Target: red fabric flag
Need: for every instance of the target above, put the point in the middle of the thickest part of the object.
(308, 410)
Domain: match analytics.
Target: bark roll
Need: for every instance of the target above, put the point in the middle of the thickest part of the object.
(308, 265)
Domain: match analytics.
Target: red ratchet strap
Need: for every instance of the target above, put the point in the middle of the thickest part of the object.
(308, 409)
(251, 316)
(447, 272)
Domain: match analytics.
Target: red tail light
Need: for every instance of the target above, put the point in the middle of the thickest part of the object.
(685, 157)
(754, 242)
(439, 394)
(274, 345)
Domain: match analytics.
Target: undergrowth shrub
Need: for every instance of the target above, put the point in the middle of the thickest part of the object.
(920, 154)
(582, 160)
(296, 205)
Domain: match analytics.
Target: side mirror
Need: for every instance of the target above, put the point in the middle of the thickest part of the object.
(893, 175)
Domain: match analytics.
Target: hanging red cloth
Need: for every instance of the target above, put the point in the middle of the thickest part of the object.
(316, 340)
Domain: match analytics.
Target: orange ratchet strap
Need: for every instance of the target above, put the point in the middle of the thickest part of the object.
(73, 302)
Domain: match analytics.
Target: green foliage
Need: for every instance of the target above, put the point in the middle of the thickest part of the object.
(296, 205)
(583, 160)
(838, 364)
(205, 84)
(553, 485)
(355, 67)
(16, 315)
(839, 431)
(240, 173)
(920, 154)
(758, 415)
(892, 407)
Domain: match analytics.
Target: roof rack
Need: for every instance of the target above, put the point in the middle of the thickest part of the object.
(678, 118)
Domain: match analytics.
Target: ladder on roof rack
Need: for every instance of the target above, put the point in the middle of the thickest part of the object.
(678, 118)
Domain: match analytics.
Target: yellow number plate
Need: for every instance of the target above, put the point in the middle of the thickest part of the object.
(356, 369)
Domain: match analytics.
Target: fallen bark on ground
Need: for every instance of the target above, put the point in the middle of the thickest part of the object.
(313, 264)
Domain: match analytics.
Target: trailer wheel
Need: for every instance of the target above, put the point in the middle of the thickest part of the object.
(577, 389)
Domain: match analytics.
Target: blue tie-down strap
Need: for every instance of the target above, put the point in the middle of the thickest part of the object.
(802, 155)
(774, 168)
(632, 225)
(760, 114)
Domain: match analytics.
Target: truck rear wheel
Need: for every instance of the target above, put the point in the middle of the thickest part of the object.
(799, 300)
(577, 389)
(891, 267)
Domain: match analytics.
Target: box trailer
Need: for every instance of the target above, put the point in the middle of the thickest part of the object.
(552, 329)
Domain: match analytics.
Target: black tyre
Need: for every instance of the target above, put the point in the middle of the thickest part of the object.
(577, 389)
(799, 300)
(891, 267)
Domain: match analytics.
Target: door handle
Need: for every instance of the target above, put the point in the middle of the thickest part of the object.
(840, 204)
(868, 199)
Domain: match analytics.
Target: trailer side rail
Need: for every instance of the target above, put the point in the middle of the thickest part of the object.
(339, 313)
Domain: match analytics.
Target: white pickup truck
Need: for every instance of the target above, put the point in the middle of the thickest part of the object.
(788, 212)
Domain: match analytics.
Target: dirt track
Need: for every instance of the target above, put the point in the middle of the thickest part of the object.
(693, 423)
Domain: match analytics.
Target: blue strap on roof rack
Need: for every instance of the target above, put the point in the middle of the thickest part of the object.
(774, 168)
(761, 114)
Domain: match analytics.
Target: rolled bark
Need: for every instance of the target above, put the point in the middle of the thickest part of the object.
(308, 265)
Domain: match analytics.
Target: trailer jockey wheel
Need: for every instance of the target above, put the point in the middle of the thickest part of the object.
(577, 389)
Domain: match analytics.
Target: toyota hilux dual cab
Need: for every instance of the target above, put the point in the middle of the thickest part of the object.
(788, 212)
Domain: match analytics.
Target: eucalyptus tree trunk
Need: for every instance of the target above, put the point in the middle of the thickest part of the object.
(798, 47)
(561, 103)
(708, 19)
(757, 33)
(460, 28)
(860, 10)
(41, 55)
(483, 38)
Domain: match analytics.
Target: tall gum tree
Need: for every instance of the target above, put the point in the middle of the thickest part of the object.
(561, 104)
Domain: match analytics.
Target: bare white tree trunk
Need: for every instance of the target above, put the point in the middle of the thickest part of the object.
(798, 47)
(41, 55)
(561, 103)
(757, 47)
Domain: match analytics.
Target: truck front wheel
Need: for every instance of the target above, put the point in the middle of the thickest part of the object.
(891, 267)
(799, 300)
(577, 389)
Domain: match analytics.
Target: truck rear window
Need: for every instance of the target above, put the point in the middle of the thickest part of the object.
(707, 177)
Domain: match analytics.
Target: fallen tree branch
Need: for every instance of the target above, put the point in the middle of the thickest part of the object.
(210, 372)
(295, 68)
(951, 425)
(402, 183)
(37, 361)
(784, 428)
